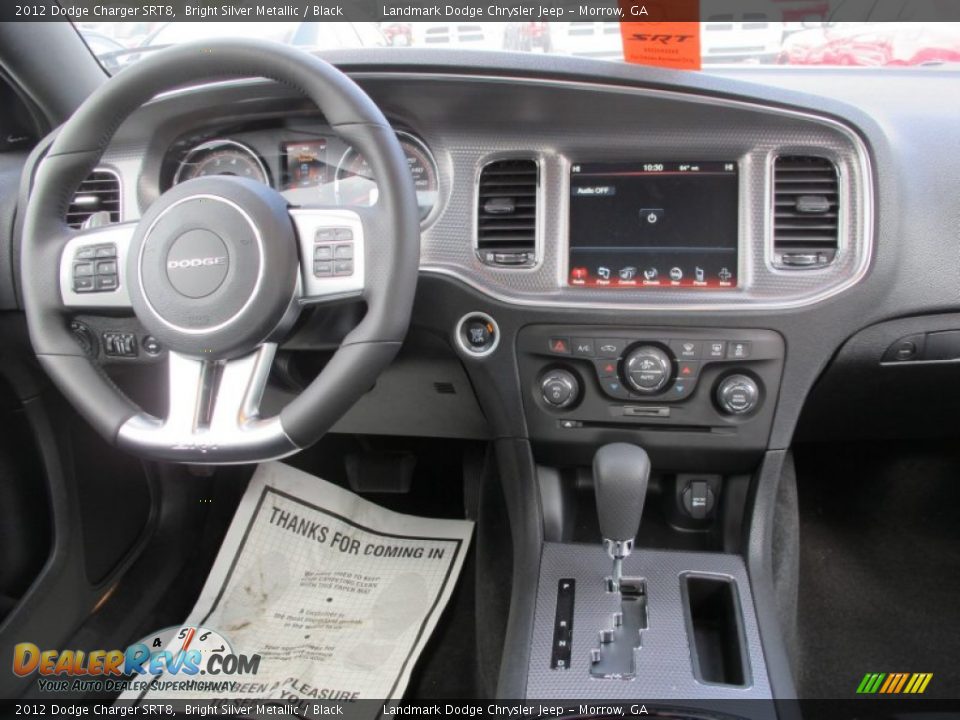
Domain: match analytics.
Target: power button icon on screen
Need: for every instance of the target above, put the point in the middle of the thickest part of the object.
(651, 216)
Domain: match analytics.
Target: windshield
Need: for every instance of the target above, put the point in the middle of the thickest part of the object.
(763, 35)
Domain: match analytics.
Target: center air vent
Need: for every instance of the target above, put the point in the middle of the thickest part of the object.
(97, 201)
(806, 212)
(507, 213)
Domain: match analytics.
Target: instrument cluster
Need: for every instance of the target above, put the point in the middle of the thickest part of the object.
(308, 167)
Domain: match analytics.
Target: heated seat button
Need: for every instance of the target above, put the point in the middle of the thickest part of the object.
(738, 350)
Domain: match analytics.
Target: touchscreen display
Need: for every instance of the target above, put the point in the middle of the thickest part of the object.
(656, 225)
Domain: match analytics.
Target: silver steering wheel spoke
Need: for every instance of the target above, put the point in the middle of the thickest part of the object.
(213, 413)
(93, 267)
(331, 245)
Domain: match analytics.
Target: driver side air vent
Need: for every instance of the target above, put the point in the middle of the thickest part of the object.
(507, 213)
(806, 212)
(97, 200)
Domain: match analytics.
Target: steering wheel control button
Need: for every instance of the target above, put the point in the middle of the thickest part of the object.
(106, 283)
(93, 274)
(559, 389)
(560, 345)
(583, 347)
(647, 369)
(738, 395)
(333, 252)
(686, 349)
(477, 334)
(738, 350)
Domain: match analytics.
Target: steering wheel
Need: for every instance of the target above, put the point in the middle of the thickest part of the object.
(218, 268)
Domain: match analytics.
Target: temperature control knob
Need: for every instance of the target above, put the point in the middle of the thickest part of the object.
(559, 388)
(738, 395)
(647, 369)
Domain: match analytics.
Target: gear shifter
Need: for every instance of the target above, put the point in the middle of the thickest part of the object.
(620, 475)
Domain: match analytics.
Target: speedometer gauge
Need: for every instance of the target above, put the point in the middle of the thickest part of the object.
(221, 157)
(355, 184)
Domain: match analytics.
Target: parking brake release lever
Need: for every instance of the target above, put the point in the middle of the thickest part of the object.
(620, 475)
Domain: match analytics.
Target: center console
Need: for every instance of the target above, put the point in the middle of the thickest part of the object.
(672, 622)
(666, 627)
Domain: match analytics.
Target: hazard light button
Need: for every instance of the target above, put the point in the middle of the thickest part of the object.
(560, 345)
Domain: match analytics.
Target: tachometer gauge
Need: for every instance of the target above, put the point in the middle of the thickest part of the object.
(355, 184)
(221, 157)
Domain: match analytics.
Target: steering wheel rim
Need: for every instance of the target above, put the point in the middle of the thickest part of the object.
(385, 239)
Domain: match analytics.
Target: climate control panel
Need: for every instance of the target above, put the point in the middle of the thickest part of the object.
(713, 387)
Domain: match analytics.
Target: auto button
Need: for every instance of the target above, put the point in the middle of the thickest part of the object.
(647, 369)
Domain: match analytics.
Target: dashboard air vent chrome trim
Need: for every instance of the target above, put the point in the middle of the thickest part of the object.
(806, 212)
(97, 201)
(507, 212)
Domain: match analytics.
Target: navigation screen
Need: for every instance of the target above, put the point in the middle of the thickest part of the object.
(656, 225)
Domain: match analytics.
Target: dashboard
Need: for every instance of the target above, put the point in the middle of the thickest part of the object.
(663, 215)
(568, 230)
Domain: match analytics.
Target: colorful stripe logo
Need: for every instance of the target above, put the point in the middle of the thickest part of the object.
(894, 683)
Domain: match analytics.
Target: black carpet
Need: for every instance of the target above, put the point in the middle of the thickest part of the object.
(879, 565)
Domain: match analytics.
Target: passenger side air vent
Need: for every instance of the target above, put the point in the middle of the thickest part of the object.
(507, 213)
(97, 200)
(806, 212)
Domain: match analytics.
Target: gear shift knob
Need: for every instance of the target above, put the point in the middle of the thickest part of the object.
(620, 475)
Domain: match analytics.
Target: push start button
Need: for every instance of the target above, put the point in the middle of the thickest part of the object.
(477, 334)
